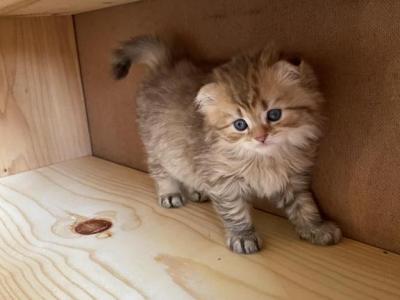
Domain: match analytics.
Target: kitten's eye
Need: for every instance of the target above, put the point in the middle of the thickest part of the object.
(274, 115)
(240, 124)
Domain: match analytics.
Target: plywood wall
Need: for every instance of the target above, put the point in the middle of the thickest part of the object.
(42, 113)
(52, 7)
(354, 46)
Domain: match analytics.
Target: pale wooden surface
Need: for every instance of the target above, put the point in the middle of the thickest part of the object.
(42, 112)
(155, 253)
(52, 7)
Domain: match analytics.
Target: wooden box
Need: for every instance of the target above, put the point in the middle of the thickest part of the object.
(70, 153)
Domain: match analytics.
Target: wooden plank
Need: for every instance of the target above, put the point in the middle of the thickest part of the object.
(42, 112)
(51, 7)
(155, 253)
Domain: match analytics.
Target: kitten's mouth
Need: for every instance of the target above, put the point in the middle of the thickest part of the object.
(265, 144)
(263, 148)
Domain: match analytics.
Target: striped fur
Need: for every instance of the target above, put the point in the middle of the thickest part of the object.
(185, 116)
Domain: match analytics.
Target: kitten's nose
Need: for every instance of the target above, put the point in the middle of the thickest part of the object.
(261, 138)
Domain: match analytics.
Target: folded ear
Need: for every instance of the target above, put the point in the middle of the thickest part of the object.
(295, 70)
(287, 72)
(207, 96)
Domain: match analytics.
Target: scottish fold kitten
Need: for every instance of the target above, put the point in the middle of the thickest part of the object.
(247, 129)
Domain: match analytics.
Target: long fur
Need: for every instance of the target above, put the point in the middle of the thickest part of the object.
(185, 116)
(148, 50)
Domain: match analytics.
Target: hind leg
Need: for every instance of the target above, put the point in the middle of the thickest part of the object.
(168, 188)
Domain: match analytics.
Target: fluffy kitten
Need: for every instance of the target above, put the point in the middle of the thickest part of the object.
(247, 129)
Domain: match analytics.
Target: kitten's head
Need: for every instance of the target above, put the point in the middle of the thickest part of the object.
(262, 103)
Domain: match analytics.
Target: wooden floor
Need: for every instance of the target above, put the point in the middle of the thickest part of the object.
(155, 253)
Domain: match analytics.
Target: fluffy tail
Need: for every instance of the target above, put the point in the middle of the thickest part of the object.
(148, 50)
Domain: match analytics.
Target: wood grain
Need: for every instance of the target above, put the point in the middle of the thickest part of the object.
(155, 253)
(51, 7)
(42, 113)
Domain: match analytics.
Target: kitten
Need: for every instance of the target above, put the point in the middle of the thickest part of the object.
(249, 128)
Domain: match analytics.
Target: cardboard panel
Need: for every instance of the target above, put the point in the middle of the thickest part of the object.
(354, 48)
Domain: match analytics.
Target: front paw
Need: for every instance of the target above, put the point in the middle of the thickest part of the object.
(171, 200)
(245, 242)
(326, 233)
(198, 197)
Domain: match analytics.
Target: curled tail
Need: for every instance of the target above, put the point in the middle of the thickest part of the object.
(148, 50)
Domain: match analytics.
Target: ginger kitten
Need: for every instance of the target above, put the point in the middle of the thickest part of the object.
(250, 128)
